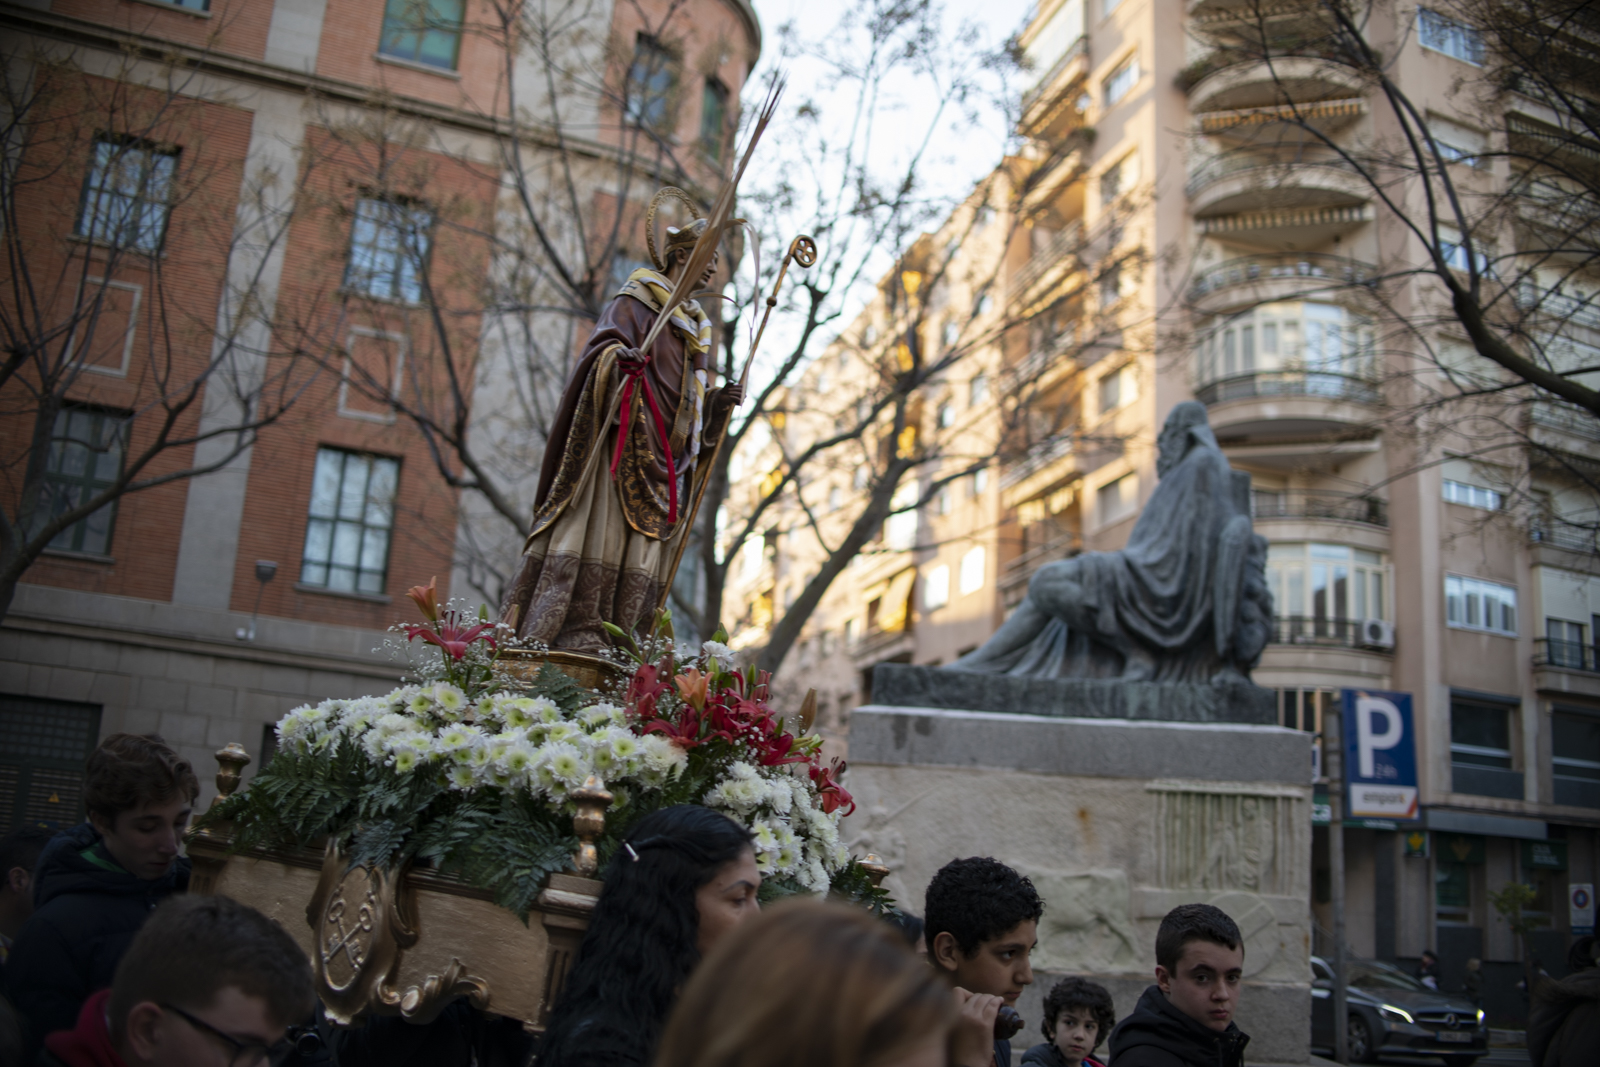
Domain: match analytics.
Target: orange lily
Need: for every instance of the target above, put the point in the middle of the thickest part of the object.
(426, 598)
(692, 687)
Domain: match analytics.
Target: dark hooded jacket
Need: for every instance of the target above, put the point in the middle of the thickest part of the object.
(1159, 1035)
(1564, 1027)
(1045, 1054)
(87, 910)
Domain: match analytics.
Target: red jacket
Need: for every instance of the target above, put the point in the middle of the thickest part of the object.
(90, 1044)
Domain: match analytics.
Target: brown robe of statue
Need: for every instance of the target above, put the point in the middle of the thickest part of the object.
(601, 550)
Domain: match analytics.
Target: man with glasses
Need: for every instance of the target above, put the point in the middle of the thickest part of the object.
(208, 982)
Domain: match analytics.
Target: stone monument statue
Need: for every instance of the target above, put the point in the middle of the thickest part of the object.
(1185, 601)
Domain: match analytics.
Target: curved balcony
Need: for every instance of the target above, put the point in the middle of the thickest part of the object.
(1246, 281)
(1215, 84)
(1324, 631)
(1289, 403)
(1260, 183)
(1315, 504)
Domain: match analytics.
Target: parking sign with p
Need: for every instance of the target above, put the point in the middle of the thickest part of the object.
(1380, 755)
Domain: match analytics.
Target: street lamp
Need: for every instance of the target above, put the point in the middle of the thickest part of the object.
(265, 570)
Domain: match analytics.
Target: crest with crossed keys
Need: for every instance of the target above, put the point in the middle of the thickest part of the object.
(351, 943)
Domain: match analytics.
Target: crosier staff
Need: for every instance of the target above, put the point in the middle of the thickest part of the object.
(802, 250)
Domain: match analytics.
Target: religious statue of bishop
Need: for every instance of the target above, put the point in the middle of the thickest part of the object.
(624, 462)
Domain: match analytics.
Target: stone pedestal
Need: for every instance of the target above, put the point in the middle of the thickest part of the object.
(903, 685)
(1116, 822)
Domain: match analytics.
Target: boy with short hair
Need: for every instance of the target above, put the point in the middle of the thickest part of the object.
(981, 922)
(207, 981)
(19, 855)
(96, 883)
(1078, 1016)
(1186, 1018)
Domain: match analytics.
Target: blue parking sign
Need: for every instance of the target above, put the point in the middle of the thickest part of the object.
(1380, 762)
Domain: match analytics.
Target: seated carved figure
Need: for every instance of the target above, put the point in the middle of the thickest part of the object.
(1186, 600)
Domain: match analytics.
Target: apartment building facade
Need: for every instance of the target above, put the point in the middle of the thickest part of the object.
(1174, 236)
(294, 209)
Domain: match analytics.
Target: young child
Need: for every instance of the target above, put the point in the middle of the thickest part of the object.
(981, 922)
(1186, 1018)
(1077, 1016)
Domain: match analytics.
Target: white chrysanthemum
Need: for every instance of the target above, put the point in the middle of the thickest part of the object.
(516, 760)
(405, 760)
(455, 738)
(816, 877)
(451, 700)
(421, 703)
(778, 797)
(561, 731)
(597, 715)
(624, 746)
(462, 777)
(740, 769)
(766, 840)
(520, 713)
(546, 710)
(565, 763)
(787, 857)
(764, 863)
(661, 756)
(718, 651)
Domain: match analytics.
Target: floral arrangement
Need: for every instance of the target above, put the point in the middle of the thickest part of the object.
(471, 769)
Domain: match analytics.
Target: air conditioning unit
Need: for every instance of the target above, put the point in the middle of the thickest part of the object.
(1377, 633)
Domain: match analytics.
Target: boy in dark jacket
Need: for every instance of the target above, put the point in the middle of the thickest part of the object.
(980, 923)
(208, 981)
(96, 883)
(1078, 1015)
(1186, 1018)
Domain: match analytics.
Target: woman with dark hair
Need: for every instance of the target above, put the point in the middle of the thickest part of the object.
(683, 878)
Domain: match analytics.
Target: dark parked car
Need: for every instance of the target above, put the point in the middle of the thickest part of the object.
(1393, 1014)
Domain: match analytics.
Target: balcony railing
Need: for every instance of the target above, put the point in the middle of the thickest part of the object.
(1037, 458)
(1289, 383)
(1568, 418)
(1321, 631)
(1063, 246)
(1216, 168)
(1319, 269)
(1078, 49)
(1317, 504)
(1023, 374)
(1573, 655)
(1562, 535)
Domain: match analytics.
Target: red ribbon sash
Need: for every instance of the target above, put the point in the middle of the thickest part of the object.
(636, 377)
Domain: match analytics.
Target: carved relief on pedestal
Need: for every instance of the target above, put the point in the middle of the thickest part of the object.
(1234, 845)
(1087, 923)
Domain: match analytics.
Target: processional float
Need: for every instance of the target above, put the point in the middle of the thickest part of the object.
(407, 938)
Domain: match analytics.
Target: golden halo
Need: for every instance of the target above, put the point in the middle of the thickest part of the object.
(670, 191)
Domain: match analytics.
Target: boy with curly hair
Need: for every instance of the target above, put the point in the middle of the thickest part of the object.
(1078, 1016)
(981, 922)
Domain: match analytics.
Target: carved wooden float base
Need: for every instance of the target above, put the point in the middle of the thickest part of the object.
(591, 672)
(406, 943)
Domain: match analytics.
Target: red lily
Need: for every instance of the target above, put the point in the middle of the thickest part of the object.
(832, 795)
(448, 634)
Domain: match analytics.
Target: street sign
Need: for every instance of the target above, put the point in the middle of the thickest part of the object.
(1544, 855)
(1380, 761)
(1580, 908)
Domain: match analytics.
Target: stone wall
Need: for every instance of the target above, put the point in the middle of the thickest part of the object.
(181, 671)
(1116, 822)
